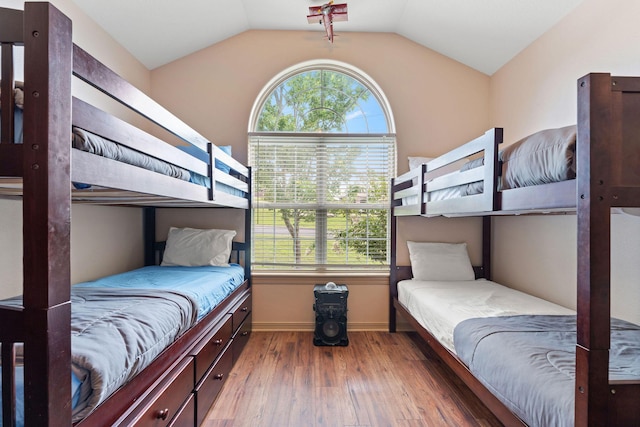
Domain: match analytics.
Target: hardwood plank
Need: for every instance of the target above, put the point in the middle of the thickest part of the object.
(379, 379)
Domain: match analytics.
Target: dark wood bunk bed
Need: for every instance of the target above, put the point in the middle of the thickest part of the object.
(181, 383)
(608, 165)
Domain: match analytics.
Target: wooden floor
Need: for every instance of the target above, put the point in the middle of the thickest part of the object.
(380, 379)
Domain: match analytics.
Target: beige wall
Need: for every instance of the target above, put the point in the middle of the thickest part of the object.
(104, 240)
(537, 90)
(437, 103)
(215, 88)
(90, 37)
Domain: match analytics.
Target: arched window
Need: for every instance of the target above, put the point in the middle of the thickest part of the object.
(322, 149)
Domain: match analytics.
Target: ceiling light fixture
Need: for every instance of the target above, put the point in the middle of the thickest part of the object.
(327, 14)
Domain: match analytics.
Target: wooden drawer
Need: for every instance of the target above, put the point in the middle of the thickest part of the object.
(186, 416)
(208, 349)
(208, 389)
(241, 310)
(166, 400)
(241, 337)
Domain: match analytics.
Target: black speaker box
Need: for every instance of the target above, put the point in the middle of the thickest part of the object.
(331, 315)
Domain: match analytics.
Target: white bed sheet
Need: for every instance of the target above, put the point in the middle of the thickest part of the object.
(440, 306)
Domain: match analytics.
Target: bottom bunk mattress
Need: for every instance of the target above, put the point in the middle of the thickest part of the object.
(439, 306)
(121, 323)
(535, 373)
(522, 348)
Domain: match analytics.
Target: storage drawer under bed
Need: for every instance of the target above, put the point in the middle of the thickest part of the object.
(168, 398)
(210, 347)
(240, 311)
(186, 416)
(211, 384)
(241, 337)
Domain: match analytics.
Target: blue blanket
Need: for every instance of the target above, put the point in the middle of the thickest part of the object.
(207, 285)
(115, 334)
(528, 362)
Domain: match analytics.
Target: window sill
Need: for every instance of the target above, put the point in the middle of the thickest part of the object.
(376, 273)
(379, 278)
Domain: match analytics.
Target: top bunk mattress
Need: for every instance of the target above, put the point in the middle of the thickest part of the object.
(544, 157)
(547, 156)
(541, 158)
(94, 144)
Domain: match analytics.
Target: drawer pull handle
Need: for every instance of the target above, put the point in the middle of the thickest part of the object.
(244, 309)
(163, 414)
(218, 376)
(218, 342)
(244, 333)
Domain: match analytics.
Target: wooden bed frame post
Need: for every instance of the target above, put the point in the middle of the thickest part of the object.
(149, 235)
(248, 224)
(393, 279)
(486, 246)
(608, 134)
(47, 215)
(595, 131)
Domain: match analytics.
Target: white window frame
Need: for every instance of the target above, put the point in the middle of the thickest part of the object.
(357, 75)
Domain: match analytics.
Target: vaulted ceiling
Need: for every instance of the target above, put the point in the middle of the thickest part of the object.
(483, 34)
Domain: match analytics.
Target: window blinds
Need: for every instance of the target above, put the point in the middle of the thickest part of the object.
(321, 201)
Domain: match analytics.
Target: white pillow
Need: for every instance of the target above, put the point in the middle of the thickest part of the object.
(414, 162)
(190, 247)
(440, 261)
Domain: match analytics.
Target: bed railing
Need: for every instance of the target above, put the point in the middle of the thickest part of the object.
(414, 193)
(89, 168)
(407, 194)
(90, 118)
(485, 146)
